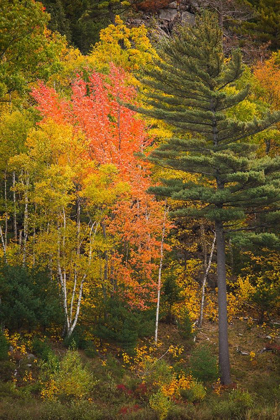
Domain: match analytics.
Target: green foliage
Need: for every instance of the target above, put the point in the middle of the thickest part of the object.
(58, 20)
(195, 393)
(77, 339)
(41, 348)
(266, 297)
(32, 409)
(185, 326)
(265, 26)
(30, 299)
(203, 364)
(235, 407)
(123, 325)
(4, 347)
(49, 367)
(27, 52)
(90, 350)
(171, 294)
(157, 372)
(7, 370)
(188, 89)
(82, 20)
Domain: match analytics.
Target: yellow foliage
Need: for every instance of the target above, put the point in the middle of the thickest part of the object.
(173, 388)
(16, 340)
(161, 404)
(129, 48)
(70, 380)
(176, 351)
(252, 355)
(190, 294)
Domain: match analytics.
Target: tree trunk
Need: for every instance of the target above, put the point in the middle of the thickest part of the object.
(207, 269)
(25, 220)
(6, 210)
(3, 244)
(15, 206)
(159, 273)
(222, 303)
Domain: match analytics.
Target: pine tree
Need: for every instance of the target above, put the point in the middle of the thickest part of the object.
(265, 27)
(188, 90)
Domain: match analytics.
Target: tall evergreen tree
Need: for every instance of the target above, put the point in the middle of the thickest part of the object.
(188, 90)
(265, 27)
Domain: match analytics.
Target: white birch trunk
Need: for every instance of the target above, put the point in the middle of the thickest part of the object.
(25, 221)
(73, 323)
(204, 282)
(6, 210)
(159, 273)
(62, 280)
(15, 206)
(3, 244)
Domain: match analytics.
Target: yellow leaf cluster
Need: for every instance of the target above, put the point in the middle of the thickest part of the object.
(129, 48)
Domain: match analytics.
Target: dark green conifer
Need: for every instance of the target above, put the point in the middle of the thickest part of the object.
(81, 20)
(187, 89)
(265, 27)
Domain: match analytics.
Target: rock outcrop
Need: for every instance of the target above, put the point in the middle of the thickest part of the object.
(164, 20)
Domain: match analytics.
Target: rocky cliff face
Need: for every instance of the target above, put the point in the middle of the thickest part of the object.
(164, 19)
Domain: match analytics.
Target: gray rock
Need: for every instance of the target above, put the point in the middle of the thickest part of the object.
(188, 18)
(167, 14)
(195, 4)
(172, 5)
(135, 22)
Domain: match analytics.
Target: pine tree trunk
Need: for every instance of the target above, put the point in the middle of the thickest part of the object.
(222, 303)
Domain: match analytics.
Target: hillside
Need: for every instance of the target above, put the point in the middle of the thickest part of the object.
(139, 209)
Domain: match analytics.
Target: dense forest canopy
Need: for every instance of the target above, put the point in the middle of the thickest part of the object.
(140, 209)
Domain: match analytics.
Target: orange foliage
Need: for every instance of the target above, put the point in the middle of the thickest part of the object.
(114, 135)
(268, 74)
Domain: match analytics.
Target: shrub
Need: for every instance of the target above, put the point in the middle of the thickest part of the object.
(4, 347)
(195, 393)
(41, 348)
(161, 404)
(171, 295)
(185, 326)
(186, 412)
(124, 325)
(90, 350)
(69, 380)
(203, 363)
(157, 373)
(7, 369)
(235, 407)
(29, 299)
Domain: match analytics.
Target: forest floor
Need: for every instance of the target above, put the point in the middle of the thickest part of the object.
(134, 387)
